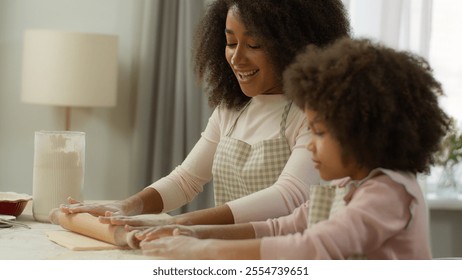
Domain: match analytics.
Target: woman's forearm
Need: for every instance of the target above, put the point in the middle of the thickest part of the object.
(219, 215)
(238, 231)
(147, 201)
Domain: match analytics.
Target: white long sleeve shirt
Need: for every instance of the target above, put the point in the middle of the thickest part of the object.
(260, 121)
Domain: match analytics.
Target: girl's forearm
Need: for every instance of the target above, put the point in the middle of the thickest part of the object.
(248, 249)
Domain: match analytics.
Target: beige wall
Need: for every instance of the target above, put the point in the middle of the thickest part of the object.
(109, 135)
(446, 233)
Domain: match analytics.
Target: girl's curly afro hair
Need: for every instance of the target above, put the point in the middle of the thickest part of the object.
(380, 104)
(283, 27)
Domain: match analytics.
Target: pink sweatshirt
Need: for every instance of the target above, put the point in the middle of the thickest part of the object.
(385, 218)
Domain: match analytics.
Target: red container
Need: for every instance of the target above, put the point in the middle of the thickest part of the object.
(13, 203)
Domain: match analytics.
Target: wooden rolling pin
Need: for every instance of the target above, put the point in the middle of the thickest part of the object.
(89, 225)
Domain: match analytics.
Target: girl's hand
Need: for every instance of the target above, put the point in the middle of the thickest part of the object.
(184, 244)
(178, 247)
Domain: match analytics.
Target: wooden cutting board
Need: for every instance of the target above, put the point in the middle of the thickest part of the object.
(78, 242)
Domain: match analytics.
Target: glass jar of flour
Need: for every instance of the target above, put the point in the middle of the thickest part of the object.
(59, 169)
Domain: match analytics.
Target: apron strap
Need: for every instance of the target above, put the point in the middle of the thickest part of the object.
(282, 125)
(231, 129)
(282, 130)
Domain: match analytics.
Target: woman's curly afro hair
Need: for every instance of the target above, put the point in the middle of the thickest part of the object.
(283, 27)
(380, 104)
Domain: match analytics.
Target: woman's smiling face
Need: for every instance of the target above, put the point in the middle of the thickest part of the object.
(250, 63)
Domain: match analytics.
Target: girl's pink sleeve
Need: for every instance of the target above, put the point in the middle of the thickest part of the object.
(376, 212)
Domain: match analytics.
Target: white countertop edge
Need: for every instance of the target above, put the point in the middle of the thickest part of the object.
(436, 202)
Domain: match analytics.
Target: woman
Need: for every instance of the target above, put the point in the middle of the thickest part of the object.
(254, 143)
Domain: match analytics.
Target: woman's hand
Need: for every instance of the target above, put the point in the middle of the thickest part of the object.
(130, 206)
(158, 232)
(135, 236)
(138, 222)
(95, 209)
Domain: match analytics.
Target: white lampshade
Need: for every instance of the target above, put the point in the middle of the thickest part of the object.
(69, 69)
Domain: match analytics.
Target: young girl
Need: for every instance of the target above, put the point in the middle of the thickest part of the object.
(254, 143)
(375, 122)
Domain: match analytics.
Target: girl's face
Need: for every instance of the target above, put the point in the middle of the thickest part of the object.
(250, 63)
(327, 152)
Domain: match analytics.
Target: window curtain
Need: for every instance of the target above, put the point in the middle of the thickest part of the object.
(400, 24)
(171, 108)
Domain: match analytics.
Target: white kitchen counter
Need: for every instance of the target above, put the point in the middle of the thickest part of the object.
(436, 202)
(445, 225)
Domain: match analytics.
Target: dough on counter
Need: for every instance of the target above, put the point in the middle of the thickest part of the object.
(78, 242)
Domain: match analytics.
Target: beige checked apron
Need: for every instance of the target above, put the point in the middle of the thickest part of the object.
(240, 169)
(325, 202)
